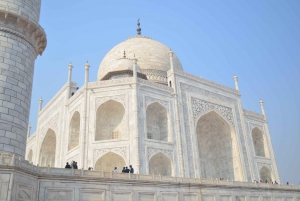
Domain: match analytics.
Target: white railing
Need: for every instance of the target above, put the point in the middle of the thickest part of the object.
(12, 161)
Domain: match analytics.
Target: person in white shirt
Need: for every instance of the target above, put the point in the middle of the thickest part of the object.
(115, 170)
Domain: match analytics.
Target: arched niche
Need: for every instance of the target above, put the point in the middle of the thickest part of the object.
(29, 156)
(74, 131)
(160, 164)
(48, 149)
(218, 150)
(157, 122)
(109, 161)
(265, 174)
(110, 121)
(259, 143)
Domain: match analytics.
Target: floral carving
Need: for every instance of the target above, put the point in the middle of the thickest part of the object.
(153, 151)
(150, 100)
(111, 82)
(200, 106)
(52, 124)
(122, 151)
(260, 165)
(118, 98)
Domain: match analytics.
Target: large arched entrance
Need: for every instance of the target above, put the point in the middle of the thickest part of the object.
(109, 161)
(265, 174)
(74, 131)
(160, 164)
(259, 143)
(218, 151)
(48, 149)
(157, 122)
(110, 121)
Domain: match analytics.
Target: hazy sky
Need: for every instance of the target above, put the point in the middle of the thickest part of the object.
(259, 41)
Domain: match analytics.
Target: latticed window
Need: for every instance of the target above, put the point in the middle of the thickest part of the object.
(115, 135)
(149, 136)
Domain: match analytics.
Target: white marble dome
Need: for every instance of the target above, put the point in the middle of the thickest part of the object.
(153, 58)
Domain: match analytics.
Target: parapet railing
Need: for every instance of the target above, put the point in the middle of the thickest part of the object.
(12, 161)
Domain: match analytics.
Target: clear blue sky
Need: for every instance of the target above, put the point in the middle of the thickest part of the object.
(259, 41)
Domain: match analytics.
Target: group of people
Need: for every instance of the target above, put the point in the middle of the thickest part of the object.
(73, 165)
(125, 169)
(266, 182)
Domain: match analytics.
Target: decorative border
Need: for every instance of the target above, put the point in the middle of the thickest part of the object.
(52, 124)
(111, 82)
(149, 100)
(153, 151)
(119, 98)
(260, 165)
(200, 106)
(121, 151)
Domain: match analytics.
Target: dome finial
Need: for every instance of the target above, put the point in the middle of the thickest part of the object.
(139, 28)
(124, 56)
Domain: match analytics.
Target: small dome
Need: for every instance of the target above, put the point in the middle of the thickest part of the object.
(153, 58)
(124, 64)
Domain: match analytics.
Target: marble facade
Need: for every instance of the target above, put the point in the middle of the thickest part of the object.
(180, 132)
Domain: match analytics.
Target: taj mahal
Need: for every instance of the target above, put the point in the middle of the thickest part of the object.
(146, 111)
(179, 131)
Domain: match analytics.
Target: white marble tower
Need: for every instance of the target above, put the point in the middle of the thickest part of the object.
(22, 39)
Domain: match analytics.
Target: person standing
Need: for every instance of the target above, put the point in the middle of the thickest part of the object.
(116, 169)
(126, 170)
(131, 170)
(67, 165)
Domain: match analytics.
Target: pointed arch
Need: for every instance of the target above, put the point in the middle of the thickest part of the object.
(74, 131)
(48, 149)
(110, 121)
(30, 156)
(265, 174)
(160, 164)
(218, 147)
(109, 161)
(157, 122)
(259, 143)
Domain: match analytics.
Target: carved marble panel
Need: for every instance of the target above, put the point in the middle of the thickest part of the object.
(122, 151)
(149, 100)
(200, 106)
(52, 124)
(118, 98)
(153, 151)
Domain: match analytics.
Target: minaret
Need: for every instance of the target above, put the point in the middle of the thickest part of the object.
(83, 147)
(235, 78)
(70, 67)
(40, 104)
(261, 102)
(22, 39)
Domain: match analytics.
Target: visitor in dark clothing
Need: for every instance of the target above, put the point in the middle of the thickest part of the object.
(131, 170)
(123, 170)
(67, 165)
(126, 170)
